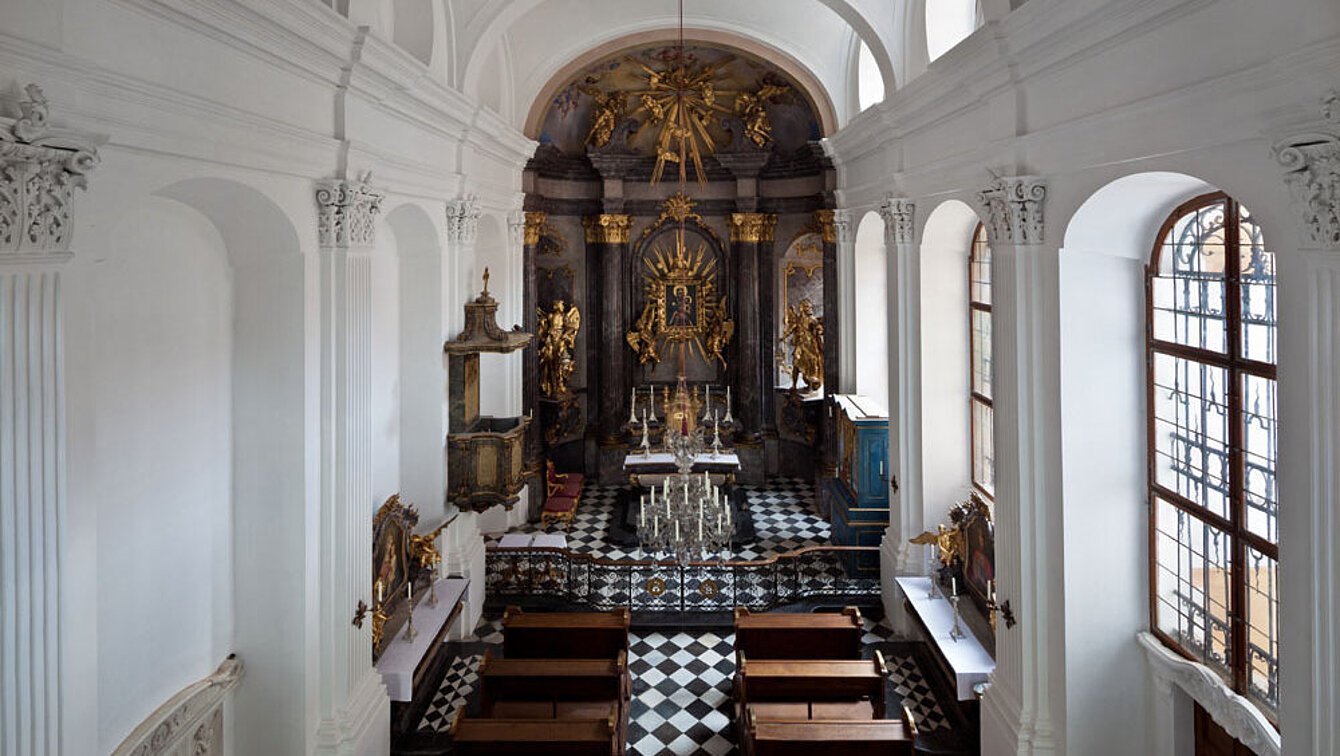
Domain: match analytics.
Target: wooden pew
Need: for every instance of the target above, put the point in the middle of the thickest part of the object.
(799, 636)
(495, 736)
(554, 679)
(564, 635)
(819, 689)
(828, 737)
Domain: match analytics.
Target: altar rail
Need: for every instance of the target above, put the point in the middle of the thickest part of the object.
(811, 573)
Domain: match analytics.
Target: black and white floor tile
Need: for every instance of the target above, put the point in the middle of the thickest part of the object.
(460, 681)
(784, 515)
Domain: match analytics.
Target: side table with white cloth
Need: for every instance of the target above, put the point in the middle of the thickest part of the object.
(411, 668)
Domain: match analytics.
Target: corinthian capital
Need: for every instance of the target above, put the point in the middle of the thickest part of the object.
(463, 219)
(899, 214)
(1312, 171)
(1013, 208)
(347, 212)
(40, 168)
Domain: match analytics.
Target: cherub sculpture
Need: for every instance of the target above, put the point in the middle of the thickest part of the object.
(806, 335)
(949, 541)
(558, 333)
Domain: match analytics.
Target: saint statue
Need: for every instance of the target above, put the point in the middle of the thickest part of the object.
(806, 335)
(558, 334)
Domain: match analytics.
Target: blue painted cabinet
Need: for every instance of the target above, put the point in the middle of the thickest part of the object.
(857, 500)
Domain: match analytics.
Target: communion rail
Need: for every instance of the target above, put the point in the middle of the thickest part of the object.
(811, 573)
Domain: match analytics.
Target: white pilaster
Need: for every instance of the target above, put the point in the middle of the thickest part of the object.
(904, 350)
(846, 273)
(459, 274)
(353, 707)
(39, 171)
(1309, 437)
(1024, 712)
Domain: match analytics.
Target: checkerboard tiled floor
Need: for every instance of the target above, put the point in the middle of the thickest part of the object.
(681, 702)
(783, 513)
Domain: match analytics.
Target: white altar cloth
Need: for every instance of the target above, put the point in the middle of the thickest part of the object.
(966, 656)
(401, 657)
(666, 459)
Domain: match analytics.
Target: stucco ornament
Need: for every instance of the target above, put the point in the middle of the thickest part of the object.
(463, 219)
(1312, 171)
(1013, 207)
(899, 215)
(347, 212)
(39, 170)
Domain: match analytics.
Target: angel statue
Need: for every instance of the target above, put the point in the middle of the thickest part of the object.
(645, 338)
(806, 334)
(609, 109)
(558, 333)
(949, 541)
(719, 332)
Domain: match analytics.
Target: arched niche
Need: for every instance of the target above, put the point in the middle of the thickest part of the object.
(800, 277)
(872, 323)
(946, 439)
(269, 455)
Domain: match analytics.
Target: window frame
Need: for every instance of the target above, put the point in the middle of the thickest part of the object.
(975, 397)
(1235, 367)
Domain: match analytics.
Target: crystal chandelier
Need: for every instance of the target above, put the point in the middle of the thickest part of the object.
(689, 518)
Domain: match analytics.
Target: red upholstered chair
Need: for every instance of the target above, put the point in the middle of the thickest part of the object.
(564, 493)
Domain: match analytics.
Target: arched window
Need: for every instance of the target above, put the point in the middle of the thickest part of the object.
(1214, 525)
(980, 387)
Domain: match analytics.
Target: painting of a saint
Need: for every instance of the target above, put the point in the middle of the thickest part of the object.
(681, 306)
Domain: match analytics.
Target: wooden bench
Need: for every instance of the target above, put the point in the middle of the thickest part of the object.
(880, 737)
(799, 636)
(819, 689)
(556, 688)
(597, 736)
(564, 635)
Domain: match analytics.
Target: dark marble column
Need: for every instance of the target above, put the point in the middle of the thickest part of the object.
(530, 362)
(607, 239)
(825, 221)
(750, 234)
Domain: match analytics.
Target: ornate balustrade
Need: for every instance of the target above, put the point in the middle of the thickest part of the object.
(812, 573)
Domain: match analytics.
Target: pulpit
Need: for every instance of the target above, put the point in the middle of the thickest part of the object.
(485, 455)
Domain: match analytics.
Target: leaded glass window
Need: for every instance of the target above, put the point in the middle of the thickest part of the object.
(1214, 511)
(980, 387)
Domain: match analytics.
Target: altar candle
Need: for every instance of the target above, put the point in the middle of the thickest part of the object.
(409, 592)
(655, 528)
(728, 400)
(677, 530)
(953, 584)
(700, 528)
(642, 513)
(379, 591)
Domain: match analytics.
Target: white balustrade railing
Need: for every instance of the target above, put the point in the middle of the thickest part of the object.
(191, 722)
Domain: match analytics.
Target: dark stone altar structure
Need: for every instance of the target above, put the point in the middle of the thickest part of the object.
(599, 233)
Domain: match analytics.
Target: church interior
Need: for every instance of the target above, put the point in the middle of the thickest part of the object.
(675, 377)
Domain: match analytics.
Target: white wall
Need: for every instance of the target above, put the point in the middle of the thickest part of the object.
(872, 323)
(946, 434)
(154, 307)
(386, 366)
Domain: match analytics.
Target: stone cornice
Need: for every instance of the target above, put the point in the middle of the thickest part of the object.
(1231, 711)
(899, 214)
(463, 220)
(752, 228)
(40, 167)
(1013, 209)
(607, 229)
(347, 213)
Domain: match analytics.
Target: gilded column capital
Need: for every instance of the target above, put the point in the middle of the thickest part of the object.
(535, 223)
(1312, 172)
(463, 219)
(1013, 207)
(40, 168)
(347, 212)
(753, 228)
(899, 214)
(826, 224)
(607, 228)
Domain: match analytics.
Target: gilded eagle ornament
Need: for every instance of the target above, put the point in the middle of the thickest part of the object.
(558, 334)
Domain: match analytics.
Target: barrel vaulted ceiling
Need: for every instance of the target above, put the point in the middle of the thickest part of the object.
(513, 54)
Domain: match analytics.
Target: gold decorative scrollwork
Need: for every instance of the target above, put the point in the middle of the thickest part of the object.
(709, 588)
(681, 305)
(534, 228)
(825, 224)
(558, 333)
(656, 586)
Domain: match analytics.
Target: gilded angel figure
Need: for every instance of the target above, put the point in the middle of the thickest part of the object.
(610, 108)
(558, 333)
